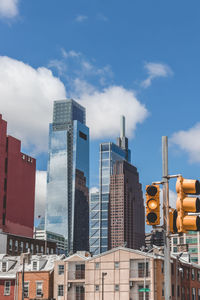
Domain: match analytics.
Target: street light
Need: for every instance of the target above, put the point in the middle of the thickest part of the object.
(103, 275)
(177, 269)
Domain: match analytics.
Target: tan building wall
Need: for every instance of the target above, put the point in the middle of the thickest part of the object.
(122, 281)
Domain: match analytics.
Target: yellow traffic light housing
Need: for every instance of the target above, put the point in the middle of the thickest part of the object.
(186, 204)
(152, 205)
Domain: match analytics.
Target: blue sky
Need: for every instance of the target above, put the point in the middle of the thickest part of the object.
(139, 57)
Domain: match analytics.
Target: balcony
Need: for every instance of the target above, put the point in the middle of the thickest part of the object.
(76, 275)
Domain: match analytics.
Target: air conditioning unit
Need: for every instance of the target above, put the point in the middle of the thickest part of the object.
(131, 284)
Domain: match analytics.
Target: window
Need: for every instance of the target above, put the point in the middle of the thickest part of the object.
(187, 274)
(83, 135)
(116, 287)
(47, 250)
(116, 265)
(198, 294)
(141, 268)
(96, 288)
(51, 251)
(39, 289)
(60, 269)
(198, 275)
(60, 290)
(193, 274)
(16, 246)
(162, 267)
(21, 246)
(183, 293)
(172, 290)
(31, 248)
(37, 249)
(42, 249)
(26, 289)
(4, 266)
(175, 241)
(193, 294)
(163, 289)
(178, 290)
(26, 247)
(10, 245)
(34, 266)
(7, 288)
(188, 293)
(97, 265)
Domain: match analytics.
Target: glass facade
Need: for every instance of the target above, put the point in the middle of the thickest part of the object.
(94, 224)
(109, 154)
(68, 160)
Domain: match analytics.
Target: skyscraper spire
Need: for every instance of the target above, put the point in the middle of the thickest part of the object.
(122, 141)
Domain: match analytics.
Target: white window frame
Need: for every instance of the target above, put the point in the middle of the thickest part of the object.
(35, 265)
(40, 294)
(61, 269)
(60, 291)
(7, 288)
(26, 286)
(4, 266)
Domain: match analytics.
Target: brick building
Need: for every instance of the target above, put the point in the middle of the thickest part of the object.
(16, 245)
(8, 270)
(17, 186)
(126, 208)
(38, 276)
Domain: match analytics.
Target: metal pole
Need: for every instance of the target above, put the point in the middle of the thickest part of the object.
(23, 278)
(167, 265)
(103, 275)
(145, 262)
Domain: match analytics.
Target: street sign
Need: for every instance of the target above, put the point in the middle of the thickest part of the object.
(144, 290)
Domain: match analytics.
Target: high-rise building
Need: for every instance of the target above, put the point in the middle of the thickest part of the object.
(67, 205)
(17, 186)
(109, 154)
(126, 208)
(188, 242)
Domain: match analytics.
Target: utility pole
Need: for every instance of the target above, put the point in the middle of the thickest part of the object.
(167, 264)
(103, 275)
(23, 266)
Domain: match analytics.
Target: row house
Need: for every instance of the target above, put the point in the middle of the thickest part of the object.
(123, 273)
(38, 276)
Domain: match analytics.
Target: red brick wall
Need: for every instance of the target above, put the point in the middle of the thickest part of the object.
(12, 290)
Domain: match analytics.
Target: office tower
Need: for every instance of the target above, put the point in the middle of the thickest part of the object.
(94, 223)
(188, 242)
(67, 206)
(126, 208)
(17, 186)
(109, 154)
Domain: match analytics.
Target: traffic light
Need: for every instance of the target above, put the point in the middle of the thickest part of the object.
(186, 205)
(172, 220)
(152, 204)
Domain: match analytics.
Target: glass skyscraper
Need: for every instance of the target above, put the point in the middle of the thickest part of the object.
(110, 153)
(68, 175)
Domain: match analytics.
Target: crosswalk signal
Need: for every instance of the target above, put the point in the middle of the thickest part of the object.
(186, 204)
(152, 205)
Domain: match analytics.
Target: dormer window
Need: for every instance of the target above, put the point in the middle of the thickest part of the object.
(35, 265)
(4, 266)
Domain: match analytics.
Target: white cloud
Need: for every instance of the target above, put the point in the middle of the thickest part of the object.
(81, 18)
(105, 108)
(94, 189)
(27, 96)
(40, 193)
(188, 141)
(155, 70)
(8, 8)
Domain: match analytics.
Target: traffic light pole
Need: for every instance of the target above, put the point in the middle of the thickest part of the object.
(167, 265)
